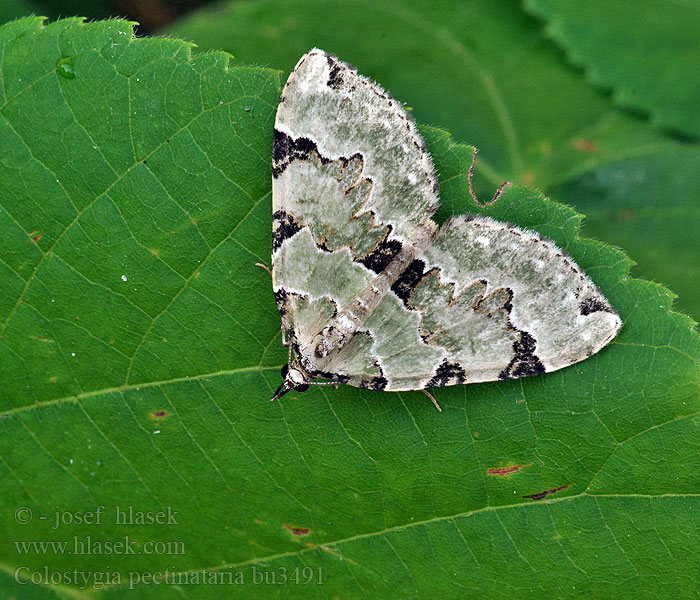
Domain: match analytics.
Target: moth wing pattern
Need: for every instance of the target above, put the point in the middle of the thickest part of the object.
(485, 301)
(352, 184)
(505, 303)
(345, 197)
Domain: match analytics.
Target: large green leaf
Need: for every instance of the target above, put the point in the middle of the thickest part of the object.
(140, 343)
(646, 51)
(483, 70)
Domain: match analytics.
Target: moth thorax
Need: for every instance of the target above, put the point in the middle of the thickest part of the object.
(306, 363)
(325, 342)
(336, 334)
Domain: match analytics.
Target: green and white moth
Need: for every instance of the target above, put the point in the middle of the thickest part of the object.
(371, 292)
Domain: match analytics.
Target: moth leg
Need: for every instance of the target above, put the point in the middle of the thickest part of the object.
(285, 340)
(432, 399)
(262, 266)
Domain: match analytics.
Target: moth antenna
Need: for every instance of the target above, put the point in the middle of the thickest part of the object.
(432, 399)
(280, 391)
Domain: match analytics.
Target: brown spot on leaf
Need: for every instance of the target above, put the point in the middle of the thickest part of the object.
(503, 471)
(36, 237)
(541, 495)
(584, 145)
(53, 379)
(155, 251)
(159, 414)
(297, 530)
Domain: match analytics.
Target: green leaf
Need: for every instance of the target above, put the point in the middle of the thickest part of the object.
(647, 52)
(140, 344)
(483, 71)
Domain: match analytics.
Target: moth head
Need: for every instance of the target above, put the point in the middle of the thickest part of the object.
(294, 379)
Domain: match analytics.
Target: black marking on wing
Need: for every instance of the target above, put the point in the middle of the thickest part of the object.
(416, 138)
(284, 226)
(524, 362)
(335, 77)
(286, 149)
(448, 373)
(408, 280)
(331, 376)
(282, 300)
(594, 305)
(382, 255)
(322, 246)
(374, 383)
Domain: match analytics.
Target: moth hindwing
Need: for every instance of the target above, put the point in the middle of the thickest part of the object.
(370, 291)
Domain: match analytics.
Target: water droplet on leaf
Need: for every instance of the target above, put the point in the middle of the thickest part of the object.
(65, 68)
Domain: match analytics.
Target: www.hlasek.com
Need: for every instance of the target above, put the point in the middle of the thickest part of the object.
(86, 545)
(98, 580)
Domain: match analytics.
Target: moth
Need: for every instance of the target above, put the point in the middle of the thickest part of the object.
(370, 291)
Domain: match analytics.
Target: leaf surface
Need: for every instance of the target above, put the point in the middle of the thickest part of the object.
(140, 343)
(646, 52)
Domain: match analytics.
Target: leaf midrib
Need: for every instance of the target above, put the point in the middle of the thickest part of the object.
(74, 398)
